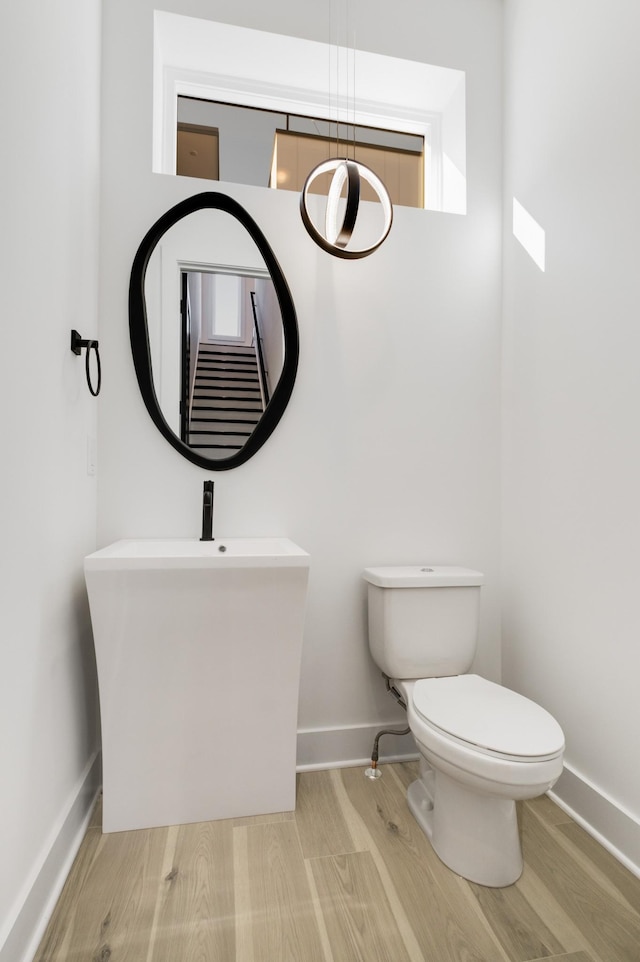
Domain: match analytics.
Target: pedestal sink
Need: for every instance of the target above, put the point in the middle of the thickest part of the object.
(198, 648)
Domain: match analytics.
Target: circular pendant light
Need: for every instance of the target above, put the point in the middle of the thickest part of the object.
(337, 234)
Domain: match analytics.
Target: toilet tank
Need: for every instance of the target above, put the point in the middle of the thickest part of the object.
(423, 620)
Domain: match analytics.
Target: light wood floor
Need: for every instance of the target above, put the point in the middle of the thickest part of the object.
(349, 876)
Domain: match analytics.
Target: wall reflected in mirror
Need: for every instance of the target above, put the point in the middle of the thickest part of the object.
(215, 332)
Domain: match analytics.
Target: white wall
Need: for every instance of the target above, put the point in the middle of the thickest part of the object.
(389, 449)
(49, 78)
(572, 393)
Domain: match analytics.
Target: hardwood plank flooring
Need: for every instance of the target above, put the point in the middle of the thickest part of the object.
(609, 924)
(348, 877)
(347, 887)
(282, 919)
(319, 820)
(195, 906)
(519, 928)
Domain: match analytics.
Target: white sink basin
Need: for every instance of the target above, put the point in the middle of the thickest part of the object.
(190, 553)
(198, 652)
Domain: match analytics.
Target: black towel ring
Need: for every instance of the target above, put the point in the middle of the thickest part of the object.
(77, 343)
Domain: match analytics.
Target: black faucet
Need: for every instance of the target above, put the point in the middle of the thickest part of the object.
(207, 512)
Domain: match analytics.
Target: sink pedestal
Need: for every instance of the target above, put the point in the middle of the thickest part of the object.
(198, 653)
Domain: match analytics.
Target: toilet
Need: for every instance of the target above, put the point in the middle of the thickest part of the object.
(482, 747)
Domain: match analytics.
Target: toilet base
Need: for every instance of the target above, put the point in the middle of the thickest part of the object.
(474, 834)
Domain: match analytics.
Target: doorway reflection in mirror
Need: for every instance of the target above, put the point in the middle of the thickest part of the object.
(232, 354)
(216, 335)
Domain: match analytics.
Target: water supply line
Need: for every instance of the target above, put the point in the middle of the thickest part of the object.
(374, 771)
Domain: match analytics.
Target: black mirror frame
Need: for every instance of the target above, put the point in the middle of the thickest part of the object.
(139, 331)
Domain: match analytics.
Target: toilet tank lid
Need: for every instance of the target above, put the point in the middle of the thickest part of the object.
(423, 576)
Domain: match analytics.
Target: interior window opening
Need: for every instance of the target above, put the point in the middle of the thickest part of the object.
(218, 141)
(288, 83)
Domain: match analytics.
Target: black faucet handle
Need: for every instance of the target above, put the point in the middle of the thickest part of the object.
(207, 511)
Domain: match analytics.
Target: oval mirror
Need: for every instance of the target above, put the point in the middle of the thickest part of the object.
(213, 330)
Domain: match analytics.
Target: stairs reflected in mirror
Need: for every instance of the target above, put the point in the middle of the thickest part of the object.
(227, 399)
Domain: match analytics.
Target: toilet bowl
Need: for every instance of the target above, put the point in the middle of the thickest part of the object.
(482, 747)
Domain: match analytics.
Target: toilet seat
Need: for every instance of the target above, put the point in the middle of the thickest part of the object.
(487, 718)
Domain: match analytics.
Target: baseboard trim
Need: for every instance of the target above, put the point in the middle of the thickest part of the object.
(603, 818)
(323, 748)
(42, 889)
